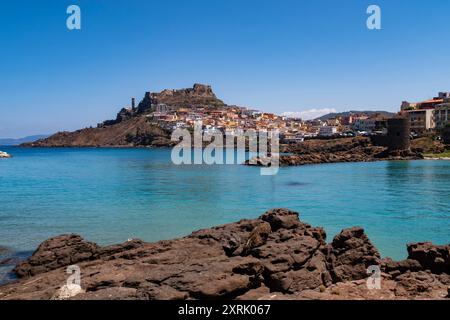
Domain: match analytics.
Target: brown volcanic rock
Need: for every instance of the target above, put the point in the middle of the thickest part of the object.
(395, 268)
(281, 218)
(257, 237)
(55, 253)
(424, 283)
(427, 145)
(330, 146)
(317, 151)
(431, 257)
(66, 250)
(273, 257)
(350, 254)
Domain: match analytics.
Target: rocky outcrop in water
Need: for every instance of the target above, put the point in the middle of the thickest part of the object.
(4, 155)
(358, 149)
(276, 256)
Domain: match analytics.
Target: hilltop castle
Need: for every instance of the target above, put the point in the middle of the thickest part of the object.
(200, 95)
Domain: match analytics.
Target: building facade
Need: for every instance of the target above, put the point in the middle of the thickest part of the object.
(422, 120)
(364, 124)
(327, 131)
(442, 114)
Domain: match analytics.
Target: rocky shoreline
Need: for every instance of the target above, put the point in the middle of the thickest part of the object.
(275, 256)
(359, 149)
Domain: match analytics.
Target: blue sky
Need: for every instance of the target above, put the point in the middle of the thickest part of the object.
(277, 56)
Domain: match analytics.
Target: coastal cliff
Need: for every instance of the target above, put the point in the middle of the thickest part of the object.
(275, 256)
(133, 132)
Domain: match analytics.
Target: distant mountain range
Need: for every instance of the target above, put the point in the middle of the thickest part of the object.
(16, 142)
(348, 113)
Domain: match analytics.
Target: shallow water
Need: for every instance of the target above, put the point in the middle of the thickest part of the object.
(110, 195)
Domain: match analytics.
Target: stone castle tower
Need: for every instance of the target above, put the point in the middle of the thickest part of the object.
(399, 134)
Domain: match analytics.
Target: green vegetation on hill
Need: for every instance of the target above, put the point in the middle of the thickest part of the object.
(445, 154)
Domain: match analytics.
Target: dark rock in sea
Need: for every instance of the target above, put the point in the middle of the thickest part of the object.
(55, 253)
(273, 257)
(359, 149)
(9, 261)
(9, 257)
(65, 250)
(4, 155)
(296, 184)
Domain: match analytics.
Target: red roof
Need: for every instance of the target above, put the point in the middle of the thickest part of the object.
(433, 101)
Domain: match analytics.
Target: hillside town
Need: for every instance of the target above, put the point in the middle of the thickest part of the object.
(172, 109)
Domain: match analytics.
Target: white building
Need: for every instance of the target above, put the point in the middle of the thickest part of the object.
(422, 120)
(364, 124)
(327, 131)
(250, 112)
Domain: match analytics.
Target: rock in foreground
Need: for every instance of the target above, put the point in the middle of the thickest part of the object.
(273, 257)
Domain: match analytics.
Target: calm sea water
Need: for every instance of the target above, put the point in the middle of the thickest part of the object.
(110, 195)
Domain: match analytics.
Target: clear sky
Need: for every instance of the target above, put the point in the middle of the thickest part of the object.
(277, 56)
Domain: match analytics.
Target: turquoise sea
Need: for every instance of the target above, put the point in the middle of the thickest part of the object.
(110, 195)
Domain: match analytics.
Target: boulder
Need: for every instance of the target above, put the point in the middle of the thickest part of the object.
(398, 267)
(431, 257)
(275, 256)
(350, 255)
(281, 218)
(311, 275)
(55, 253)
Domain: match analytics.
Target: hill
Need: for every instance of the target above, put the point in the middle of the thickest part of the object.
(354, 112)
(131, 127)
(129, 133)
(16, 142)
